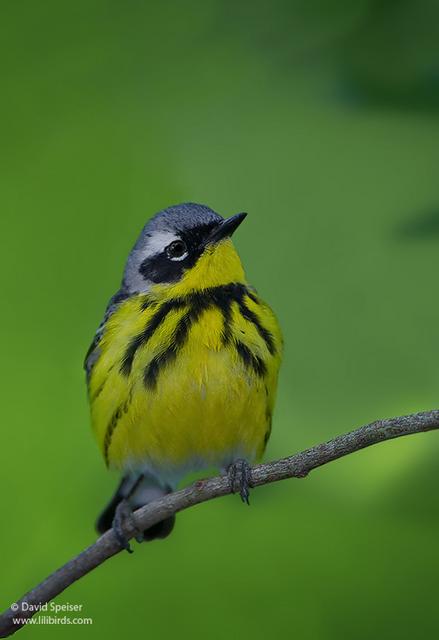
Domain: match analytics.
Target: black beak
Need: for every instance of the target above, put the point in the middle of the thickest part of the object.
(226, 228)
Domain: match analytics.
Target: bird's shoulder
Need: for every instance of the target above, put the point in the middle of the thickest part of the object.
(266, 312)
(93, 351)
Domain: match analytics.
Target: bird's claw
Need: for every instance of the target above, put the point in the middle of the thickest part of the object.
(122, 516)
(240, 478)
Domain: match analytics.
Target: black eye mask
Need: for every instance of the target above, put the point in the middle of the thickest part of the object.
(160, 268)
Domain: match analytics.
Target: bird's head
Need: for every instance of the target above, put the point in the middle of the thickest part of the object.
(185, 247)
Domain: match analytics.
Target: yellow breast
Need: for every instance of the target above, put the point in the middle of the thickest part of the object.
(186, 379)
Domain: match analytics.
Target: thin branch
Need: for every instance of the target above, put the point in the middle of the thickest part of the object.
(296, 466)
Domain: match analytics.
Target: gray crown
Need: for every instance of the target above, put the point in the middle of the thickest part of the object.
(180, 217)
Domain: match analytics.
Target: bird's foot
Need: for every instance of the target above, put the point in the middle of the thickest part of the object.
(240, 478)
(123, 516)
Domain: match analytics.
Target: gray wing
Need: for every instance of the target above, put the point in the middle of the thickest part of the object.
(93, 351)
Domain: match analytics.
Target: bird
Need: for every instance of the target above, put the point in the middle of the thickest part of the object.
(182, 371)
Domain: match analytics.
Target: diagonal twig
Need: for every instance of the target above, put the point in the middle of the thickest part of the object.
(295, 466)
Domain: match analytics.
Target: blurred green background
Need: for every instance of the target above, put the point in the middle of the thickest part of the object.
(321, 119)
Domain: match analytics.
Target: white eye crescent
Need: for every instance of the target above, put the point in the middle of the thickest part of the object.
(177, 250)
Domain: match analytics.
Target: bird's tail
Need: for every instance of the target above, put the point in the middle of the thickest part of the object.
(146, 489)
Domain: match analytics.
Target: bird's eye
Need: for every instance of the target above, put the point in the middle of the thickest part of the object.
(177, 250)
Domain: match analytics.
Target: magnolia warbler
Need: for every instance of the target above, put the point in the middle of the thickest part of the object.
(182, 372)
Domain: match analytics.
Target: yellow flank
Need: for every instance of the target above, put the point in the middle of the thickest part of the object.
(186, 374)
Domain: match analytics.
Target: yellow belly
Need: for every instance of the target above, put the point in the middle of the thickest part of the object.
(206, 409)
(205, 412)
